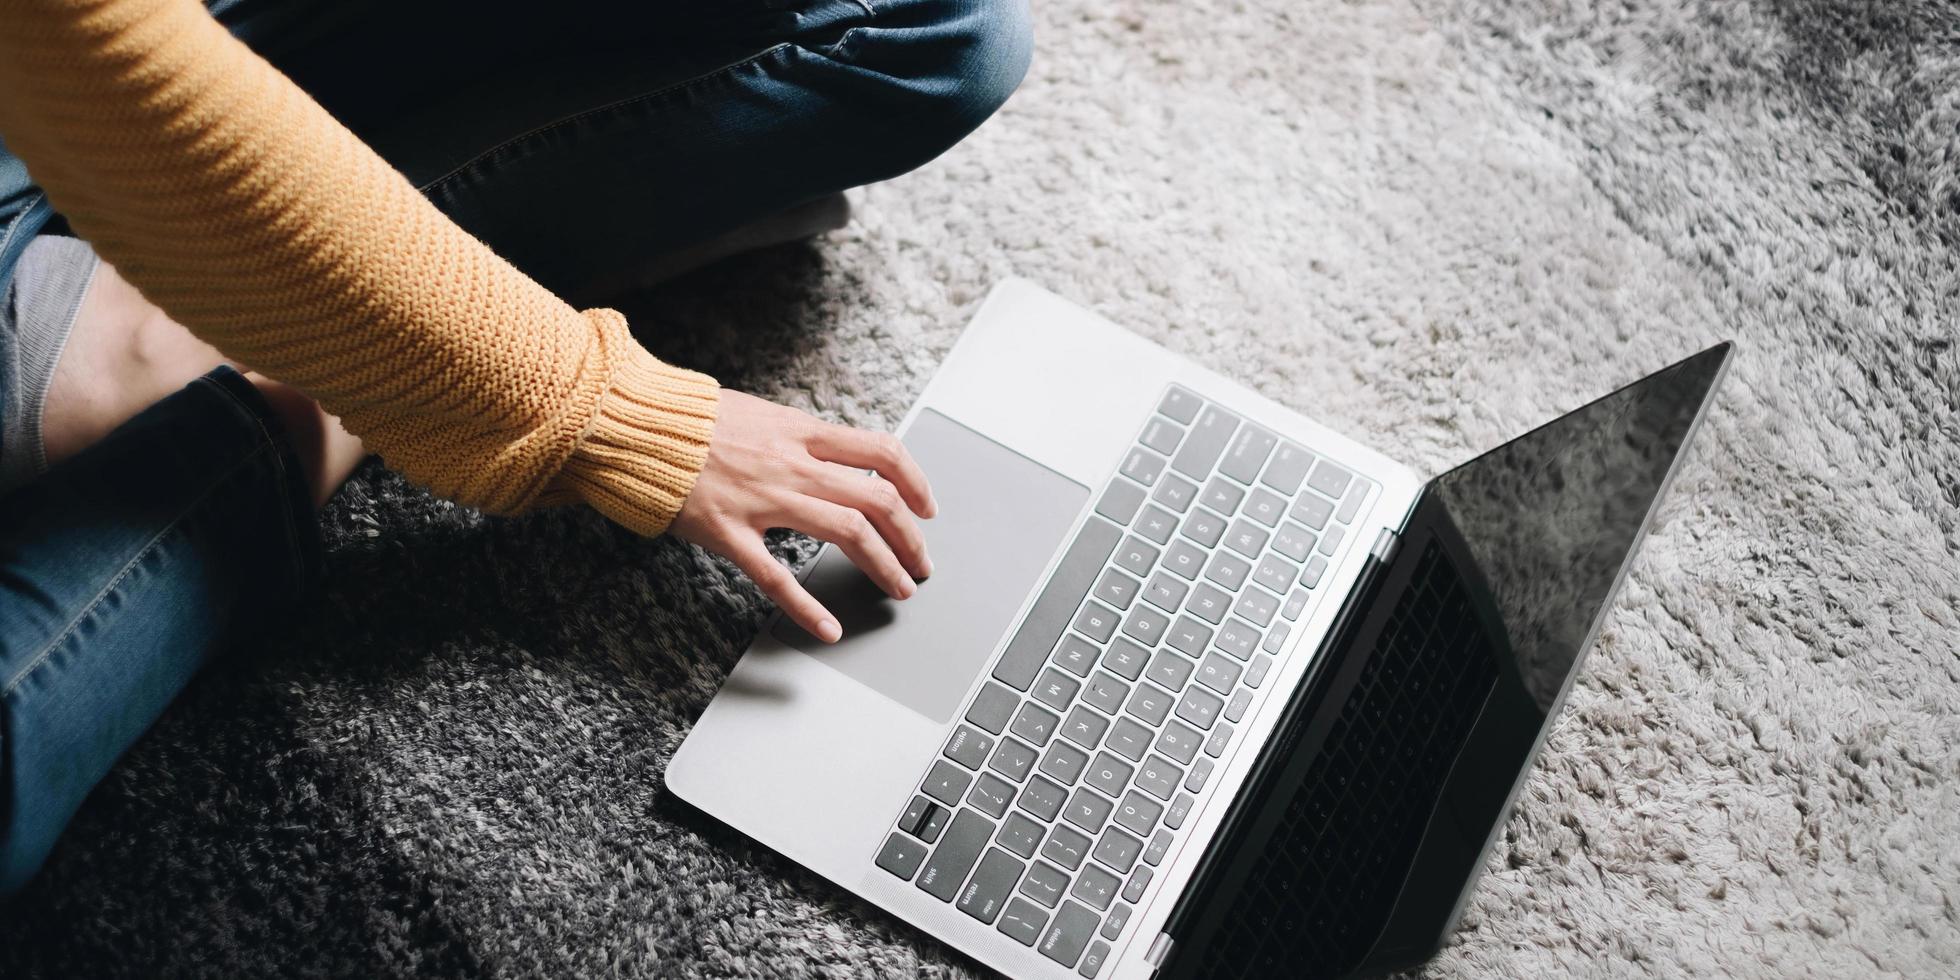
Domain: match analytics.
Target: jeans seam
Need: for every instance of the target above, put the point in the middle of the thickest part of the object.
(584, 114)
(13, 228)
(35, 663)
(268, 441)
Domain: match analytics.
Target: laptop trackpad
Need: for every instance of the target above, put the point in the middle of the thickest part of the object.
(1001, 517)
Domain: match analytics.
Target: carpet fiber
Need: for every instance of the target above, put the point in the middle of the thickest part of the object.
(1429, 223)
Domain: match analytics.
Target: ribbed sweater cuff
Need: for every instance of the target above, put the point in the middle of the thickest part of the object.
(648, 438)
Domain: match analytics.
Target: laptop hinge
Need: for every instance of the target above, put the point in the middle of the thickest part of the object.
(1159, 948)
(1385, 544)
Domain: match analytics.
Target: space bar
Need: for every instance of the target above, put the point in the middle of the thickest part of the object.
(1029, 649)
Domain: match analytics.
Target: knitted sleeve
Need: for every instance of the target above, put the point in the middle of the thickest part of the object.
(246, 212)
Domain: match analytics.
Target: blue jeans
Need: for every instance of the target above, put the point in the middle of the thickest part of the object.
(577, 139)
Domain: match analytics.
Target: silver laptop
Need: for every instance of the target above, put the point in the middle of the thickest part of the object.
(1199, 686)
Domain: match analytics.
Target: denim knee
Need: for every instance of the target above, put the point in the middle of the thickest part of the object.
(947, 65)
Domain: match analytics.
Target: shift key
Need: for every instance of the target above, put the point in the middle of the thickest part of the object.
(954, 857)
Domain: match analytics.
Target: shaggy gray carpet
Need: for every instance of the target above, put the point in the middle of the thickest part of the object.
(1431, 223)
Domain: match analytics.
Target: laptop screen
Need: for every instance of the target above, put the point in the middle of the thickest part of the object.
(1551, 517)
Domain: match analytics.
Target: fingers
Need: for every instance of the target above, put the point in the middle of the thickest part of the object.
(879, 451)
(852, 531)
(878, 499)
(780, 585)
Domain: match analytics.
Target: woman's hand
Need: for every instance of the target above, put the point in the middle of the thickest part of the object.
(772, 466)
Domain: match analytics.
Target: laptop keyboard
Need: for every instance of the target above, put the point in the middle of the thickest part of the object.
(1078, 762)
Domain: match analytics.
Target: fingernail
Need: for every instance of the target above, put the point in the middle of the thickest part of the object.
(829, 632)
(925, 568)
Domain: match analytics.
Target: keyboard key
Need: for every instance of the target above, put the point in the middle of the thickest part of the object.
(1228, 570)
(1205, 442)
(1194, 781)
(985, 895)
(1257, 605)
(1020, 834)
(1175, 493)
(936, 820)
(1246, 538)
(1161, 436)
(1128, 739)
(1351, 505)
(1069, 582)
(1200, 708)
(1109, 774)
(1184, 560)
(1295, 604)
(1179, 742)
(946, 783)
(1139, 813)
(1043, 799)
(1045, 883)
(1076, 655)
(1293, 541)
(1056, 689)
(1096, 886)
(969, 747)
(1068, 934)
(1035, 724)
(1087, 810)
(1287, 468)
(1275, 573)
(1222, 495)
(1092, 960)
(1204, 527)
(1329, 479)
(915, 814)
(1116, 589)
(1179, 809)
(991, 795)
(1120, 500)
(1180, 405)
(1012, 760)
(1156, 524)
(1315, 568)
(1097, 622)
(954, 857)
(1276, 637)
(1105, 693)
(1136, 555)
(1165, 592)
(1150, 704)
(1255, 675)
(1208, 604)
(1170, 670)
(1330, 540)
(1247, 454)
(1126, 658)
(1220, 737)
(1066, 847)
(1118, 850)
(1218, 673)
(1114, 922)
(1063, 762)
(1147, 625)
(1142, 465)
(1158, 777)
(992, 707)
(1238, 638)
(1235, 709)
(1312, 510)
(901, 856)
(1023, 921)
(1084, 727)
(1266, 507)
(1188, 636)
(1133, 890)
(1153, 852)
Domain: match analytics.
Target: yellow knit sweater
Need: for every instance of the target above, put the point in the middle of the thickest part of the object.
(242, 209)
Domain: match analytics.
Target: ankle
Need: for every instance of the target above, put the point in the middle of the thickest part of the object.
(327, 452)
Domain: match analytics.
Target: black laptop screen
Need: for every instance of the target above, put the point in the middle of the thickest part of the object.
(1551, 517)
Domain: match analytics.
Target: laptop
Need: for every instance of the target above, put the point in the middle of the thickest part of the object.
(1199, 687)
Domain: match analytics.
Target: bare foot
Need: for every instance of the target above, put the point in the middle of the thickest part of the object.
(125, 355)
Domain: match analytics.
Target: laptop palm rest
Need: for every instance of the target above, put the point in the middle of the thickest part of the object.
(1001, 516)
